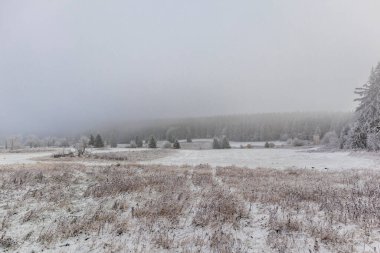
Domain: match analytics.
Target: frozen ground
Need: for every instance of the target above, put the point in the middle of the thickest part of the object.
(61, 207)
(252, 158)
(270, 158)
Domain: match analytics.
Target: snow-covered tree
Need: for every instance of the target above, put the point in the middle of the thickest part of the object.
(330, 139)
(152, 142)
(33, 141)
(139, 142)
(225, 142)
(81, 145)
(176, 145)
(99, 141)
(367, 117)
(92, 140)
(215, 144)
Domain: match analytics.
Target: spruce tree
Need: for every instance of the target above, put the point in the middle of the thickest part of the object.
(99, 142)
(225, 142)
(176, 145)
(152, 142)
(367, 123)
(216, 144)
(91, 141)
(139, 142)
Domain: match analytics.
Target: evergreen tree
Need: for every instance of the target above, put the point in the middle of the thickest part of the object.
(215, 144)
(99, 141)
(139, 142)
(91, 141)
(225, 142)
(176, 145)
(152, 142)
(367, 121)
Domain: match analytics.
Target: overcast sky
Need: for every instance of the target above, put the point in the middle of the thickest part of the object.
(71, 62)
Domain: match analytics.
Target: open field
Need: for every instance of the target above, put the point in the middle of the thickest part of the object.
(144, 200)
(278, 158)
(150, 208)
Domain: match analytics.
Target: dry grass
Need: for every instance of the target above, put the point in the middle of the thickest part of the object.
(187, 209)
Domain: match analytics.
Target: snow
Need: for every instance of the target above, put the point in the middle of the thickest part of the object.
(269, 158)
(279, 158)
(20, 158)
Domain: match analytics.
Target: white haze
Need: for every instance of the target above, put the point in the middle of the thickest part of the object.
(70, 64)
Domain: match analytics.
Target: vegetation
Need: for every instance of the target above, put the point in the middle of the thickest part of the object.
(176, 145)
(98, 141)
(364, 132)
(252, 127)
(221, 143)
(152, 142)
(200, 208)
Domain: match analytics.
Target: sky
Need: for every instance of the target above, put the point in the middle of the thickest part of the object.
(70, 64)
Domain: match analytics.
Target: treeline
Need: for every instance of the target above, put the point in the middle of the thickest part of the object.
(252, 127)
(249, 127)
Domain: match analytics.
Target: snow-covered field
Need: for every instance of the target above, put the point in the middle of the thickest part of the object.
(270, 158)
(120, 200)
(252, 158)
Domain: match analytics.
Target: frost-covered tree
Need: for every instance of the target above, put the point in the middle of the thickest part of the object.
(132, 144)
(139, 142)
(81, 145)
(176, 145)
(99, 141)
(367, 117)
(216, 144)
(152, 142)
(33, 141)
(330, 139)
(225, 142)
(91, 142)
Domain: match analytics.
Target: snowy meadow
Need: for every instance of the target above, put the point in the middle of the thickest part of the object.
(123, 200)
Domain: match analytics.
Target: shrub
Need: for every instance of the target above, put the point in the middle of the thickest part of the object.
(330, 139)
(132, 144)
(298, 143)
(166, 144)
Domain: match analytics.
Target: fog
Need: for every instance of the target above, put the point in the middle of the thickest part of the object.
(67, 65)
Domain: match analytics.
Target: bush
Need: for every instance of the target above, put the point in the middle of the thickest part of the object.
(132, 144)
(298, 143)
(166, 144)
(269, 145)
(330, 139)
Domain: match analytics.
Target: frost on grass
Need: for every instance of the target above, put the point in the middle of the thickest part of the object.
(146, 208)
